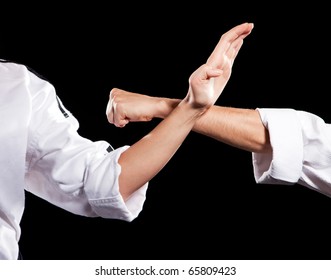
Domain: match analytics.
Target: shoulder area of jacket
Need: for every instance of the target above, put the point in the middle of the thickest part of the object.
(12, 70)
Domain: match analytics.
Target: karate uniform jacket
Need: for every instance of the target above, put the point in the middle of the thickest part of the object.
(41, 152)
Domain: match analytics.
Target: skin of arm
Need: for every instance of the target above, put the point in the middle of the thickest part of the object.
(157, 147)
(241, 128)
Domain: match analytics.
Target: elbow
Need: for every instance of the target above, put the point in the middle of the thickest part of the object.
(125, 190)
(129, 185)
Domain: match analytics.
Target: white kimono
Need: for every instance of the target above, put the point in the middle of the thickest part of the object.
(301, 150)
(42, 153)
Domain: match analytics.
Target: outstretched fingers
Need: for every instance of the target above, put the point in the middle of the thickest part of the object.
(229, 44)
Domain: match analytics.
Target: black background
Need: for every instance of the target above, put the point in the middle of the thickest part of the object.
(205, 203)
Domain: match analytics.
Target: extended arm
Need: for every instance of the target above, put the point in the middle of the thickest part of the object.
(157, 148)
(241, 128)
(288, 146)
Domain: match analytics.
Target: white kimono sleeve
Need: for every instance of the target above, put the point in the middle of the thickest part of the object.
(71, 171)
(301, 150)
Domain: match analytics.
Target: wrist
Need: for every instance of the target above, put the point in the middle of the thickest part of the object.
(191, 112)
(166, 106)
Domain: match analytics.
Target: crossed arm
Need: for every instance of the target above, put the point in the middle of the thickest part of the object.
(179, 116)
(241, 128)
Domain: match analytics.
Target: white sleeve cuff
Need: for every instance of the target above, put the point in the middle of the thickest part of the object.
(102, 189)
(284, 164)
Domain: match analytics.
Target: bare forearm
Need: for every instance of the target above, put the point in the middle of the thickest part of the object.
(241, 128)
(143, 160)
